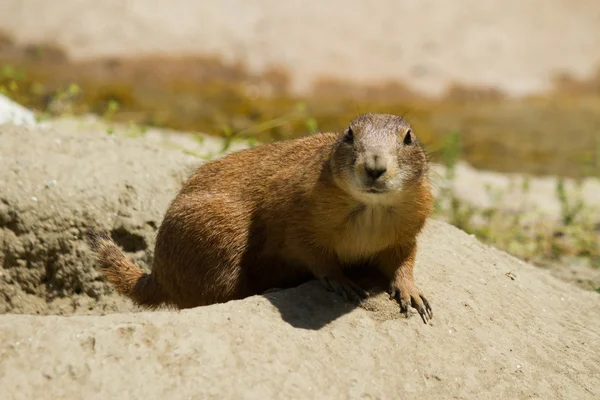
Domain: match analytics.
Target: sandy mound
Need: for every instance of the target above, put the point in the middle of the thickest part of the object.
(492, 337)
(494, 334)
(53, 186)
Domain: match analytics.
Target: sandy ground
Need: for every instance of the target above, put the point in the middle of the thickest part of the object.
(517, 46)
(502, 328)
(491, 337)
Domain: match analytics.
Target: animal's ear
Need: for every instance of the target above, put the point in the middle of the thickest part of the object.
(349, 137)
(408, 137)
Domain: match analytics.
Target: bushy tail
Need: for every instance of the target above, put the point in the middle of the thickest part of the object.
(127, 278)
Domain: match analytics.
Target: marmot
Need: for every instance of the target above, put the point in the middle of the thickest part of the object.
(275, 215)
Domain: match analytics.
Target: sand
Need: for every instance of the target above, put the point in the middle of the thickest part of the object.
(501, 329)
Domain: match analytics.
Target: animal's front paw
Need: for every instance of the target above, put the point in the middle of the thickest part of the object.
(345, 288)
(407, 293)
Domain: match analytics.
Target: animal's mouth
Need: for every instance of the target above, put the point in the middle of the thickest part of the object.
(368, 186)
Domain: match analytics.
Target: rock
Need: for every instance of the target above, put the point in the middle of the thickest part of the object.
(11, 112)
(501, 329)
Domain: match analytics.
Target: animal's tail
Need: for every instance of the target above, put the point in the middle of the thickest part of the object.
(127, 278)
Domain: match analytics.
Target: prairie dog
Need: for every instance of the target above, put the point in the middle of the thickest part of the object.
(281, 213)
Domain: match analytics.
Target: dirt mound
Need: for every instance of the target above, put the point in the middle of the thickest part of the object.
(502, 328)
(55, 185)
(492, 337)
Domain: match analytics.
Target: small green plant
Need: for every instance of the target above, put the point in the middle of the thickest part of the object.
(228, 136)
(299, 112)
(193, 153)
(527, 234)
(451, 149)
(135, 130)
(111, 109)
(311, 125)
(9, 80)
(62, 102)
(590, 160)
(570, 208)
(458, 213)
(198, 138)
(461, 214)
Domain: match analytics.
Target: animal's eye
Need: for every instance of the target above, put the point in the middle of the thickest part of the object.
(408, 137)
(349, 136)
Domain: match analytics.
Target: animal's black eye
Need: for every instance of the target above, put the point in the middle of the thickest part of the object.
(349, 136)
(408, 137)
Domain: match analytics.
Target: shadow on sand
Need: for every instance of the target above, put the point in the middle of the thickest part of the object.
(311, 306)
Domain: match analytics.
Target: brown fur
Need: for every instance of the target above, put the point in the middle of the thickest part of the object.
(277, 214)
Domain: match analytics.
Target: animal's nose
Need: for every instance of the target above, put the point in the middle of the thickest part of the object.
(375, 171)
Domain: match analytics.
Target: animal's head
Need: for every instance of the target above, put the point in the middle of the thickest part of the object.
(376, 157)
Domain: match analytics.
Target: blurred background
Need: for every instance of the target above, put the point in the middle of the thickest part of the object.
(505, 95)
